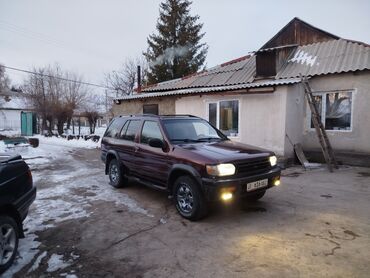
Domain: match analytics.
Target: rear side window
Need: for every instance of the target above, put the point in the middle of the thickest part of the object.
(132, 129)
(115, 128)
(150, 131)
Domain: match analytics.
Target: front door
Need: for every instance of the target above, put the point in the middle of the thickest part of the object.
(153, 165)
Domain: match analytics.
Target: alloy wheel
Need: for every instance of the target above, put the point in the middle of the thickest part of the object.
(114, 173)
(8, 241)
(185, 198)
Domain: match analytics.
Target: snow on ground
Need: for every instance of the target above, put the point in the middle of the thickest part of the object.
(43, 154)
(10, 132)
(2, 147)
(56, 262)
(37, 262)
(69, 190)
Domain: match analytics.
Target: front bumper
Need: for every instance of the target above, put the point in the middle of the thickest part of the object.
(212, 188)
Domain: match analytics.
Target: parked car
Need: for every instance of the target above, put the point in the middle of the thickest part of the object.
(16, 195)
(188, 158)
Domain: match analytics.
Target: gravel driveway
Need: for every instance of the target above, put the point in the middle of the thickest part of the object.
(315, 224)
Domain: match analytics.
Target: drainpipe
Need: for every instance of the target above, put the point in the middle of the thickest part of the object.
(138, 79)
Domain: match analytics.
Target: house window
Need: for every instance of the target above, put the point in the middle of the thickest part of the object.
(225, 116)
(335, 110)
(150, 109)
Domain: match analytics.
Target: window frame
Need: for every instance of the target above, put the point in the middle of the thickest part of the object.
(128, 125)
(141, 131)
(120, 129)
(218, 114)
(323, 109)
(151, 105)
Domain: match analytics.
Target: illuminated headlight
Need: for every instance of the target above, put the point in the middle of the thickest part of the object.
(221, 170)
(273, 160)
(226, 196)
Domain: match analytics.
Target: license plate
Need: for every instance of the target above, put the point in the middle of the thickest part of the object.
(257, 184)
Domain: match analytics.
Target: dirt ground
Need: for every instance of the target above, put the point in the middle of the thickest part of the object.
(315, 224)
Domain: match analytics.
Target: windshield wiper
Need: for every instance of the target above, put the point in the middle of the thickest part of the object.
(207, 139)
(185, 140)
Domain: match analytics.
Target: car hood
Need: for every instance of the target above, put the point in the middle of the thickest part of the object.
(225, 151)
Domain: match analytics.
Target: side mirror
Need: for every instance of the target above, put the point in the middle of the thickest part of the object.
(156, 143)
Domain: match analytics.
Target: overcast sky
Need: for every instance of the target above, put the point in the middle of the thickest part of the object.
(92, 37)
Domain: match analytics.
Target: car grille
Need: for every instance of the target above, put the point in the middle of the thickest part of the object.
(249, 168)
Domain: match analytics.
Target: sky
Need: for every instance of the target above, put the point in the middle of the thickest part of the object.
(94, 37)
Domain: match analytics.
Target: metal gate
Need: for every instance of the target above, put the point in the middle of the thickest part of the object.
(27, 123)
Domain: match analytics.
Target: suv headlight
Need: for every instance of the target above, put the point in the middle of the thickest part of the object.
(273, 160)
(221, 170)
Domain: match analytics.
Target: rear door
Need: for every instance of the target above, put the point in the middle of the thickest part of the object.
(110, 139)
(127, 147)
(152, 162)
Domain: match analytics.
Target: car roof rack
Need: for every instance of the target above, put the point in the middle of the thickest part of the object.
(154, 115)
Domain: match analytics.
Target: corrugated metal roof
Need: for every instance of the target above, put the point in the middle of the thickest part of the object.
(334, 56)
(328, 57)
(190, 91)
(234, 72)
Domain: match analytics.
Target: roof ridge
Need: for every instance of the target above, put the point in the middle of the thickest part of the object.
(357, 42)
(236, 60)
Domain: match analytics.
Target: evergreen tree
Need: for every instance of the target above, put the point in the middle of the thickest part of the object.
(176, 50)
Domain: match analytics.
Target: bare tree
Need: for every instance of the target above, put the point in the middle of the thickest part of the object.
(4, 80)
(124, 80)
(92, 108)
(53, 97)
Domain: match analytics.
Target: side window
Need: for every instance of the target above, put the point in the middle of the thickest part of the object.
(124, 129)
(150, 130)
(114, 128)
(132, 129)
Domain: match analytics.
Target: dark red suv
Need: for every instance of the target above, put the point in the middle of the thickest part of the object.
(188, 158)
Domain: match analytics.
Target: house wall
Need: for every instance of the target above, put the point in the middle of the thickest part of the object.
(10, 119)
(357, 140)
(165, 106)
(294, 118)
(261, 116)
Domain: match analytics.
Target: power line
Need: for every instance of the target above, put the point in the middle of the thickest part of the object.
(60, 78)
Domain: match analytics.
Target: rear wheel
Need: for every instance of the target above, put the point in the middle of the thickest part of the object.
(9, 237)
(116, 177)
(189, 199)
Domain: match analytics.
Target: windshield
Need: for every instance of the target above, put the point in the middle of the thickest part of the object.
(191, 130)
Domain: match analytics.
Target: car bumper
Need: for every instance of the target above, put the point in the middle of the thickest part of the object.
(22, 205)
(213, 188)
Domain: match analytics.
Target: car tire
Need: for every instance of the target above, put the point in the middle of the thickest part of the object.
(116, 176)
(254, 197)
(189, 199)
(9, 238)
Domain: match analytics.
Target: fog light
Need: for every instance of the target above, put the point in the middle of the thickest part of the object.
(277, 182)
(226, 196)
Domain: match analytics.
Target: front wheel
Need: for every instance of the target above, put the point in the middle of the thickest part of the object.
(116, 176)
(189, 199)
(9, 237)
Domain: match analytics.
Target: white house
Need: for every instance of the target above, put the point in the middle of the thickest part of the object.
(12, 104)
(258, 99)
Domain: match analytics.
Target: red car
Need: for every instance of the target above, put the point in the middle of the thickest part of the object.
(188, 158)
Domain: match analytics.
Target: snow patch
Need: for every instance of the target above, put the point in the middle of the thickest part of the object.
(37, 262)
(304, 58)
(2, 147)
(56, 262)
